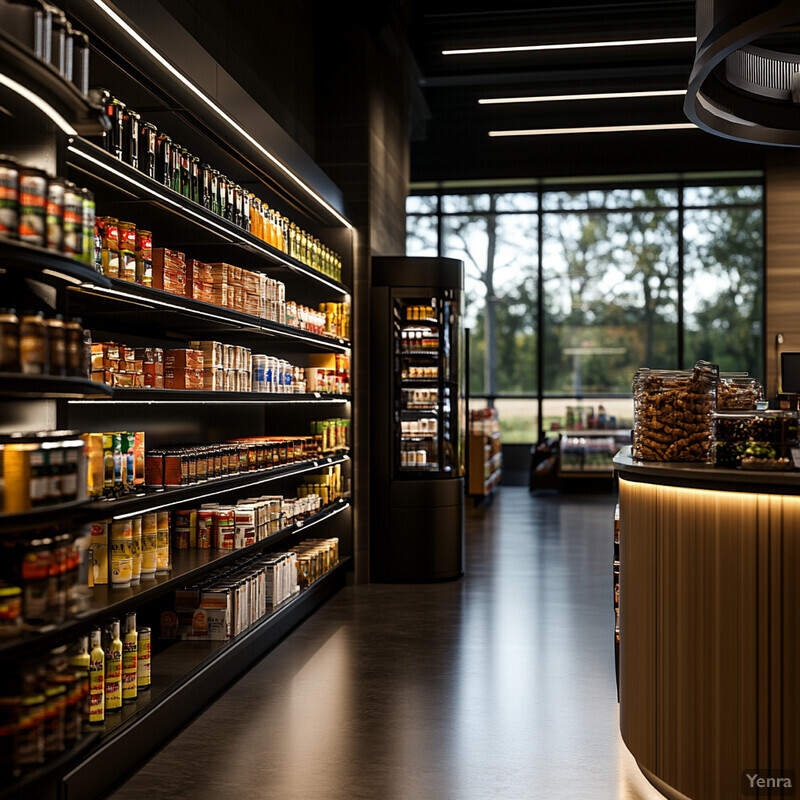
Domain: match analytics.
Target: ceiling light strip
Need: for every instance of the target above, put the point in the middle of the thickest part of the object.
(37, 101)
(551, 98)
(600, 129)
(148, 48)
(565, 45)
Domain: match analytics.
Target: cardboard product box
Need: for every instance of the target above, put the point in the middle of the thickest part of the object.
(127, 380)
(214, 380)
(170, 280)
(236, 275)
(251, 281)
(102, 376)
(164, 258)
(200, 290)
(212, 353)
(127, 353)
(198, 271)
(183, 379)
(221, 272)
(251, 304)
(222, 295)
(150, 355)
(153, 381)
(183, 359)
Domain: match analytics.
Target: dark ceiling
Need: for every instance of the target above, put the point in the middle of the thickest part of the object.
(450, 128)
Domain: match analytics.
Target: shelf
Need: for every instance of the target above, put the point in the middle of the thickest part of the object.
(16, 385)
(41, 517)
(425, 411)
(432, 438)
(412, 383)
(47, 265)
(428, 353)
(158, 499)
(30, 782)
(419, 323)
(44, 80)
(143, 307)
(195, 222)
(186, 676)
(178, 396)
(107, 601)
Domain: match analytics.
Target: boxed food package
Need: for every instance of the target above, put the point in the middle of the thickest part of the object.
(183, 359)
(177, 378)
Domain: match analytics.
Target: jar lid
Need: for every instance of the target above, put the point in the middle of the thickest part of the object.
(10, 591)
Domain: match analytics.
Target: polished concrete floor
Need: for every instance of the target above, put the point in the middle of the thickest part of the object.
(500, 685)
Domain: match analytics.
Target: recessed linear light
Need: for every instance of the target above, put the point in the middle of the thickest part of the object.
(551, 98)
(37, 101)
(214, 107)
(566, 45)
(601, 129)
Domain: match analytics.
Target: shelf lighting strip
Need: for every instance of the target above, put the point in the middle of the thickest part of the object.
(218, 490)
(552, 98)
(41, 104)
(599, 129)
(164, 196)
(303, 526)
(148, 48)
(127, 402)
(566, 45)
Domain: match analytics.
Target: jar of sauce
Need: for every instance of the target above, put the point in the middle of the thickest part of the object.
(9, 198)
(32, 206)
(74, 349)
(33, 344)
(9, 340)
(57, 347)
(55, 214)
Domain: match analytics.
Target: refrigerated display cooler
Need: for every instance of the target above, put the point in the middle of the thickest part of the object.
(417, 407)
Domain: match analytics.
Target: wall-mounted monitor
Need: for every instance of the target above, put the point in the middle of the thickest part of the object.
(790, 373)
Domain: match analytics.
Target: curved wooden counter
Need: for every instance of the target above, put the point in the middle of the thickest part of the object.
(709, 625)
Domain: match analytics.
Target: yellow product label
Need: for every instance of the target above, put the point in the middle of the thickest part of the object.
(113, 679)
(129, 666)
(149, 523)
(163, 521)
(149, 548)
(121, 562)
(99, 564)
(96, 690)
(162, 558)
(122, 529)
(163, 538)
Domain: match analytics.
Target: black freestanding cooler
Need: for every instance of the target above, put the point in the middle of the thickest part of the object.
(416, 407)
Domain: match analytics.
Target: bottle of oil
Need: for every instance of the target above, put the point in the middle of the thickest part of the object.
(130, 649)
(97, 661)
(114, 668)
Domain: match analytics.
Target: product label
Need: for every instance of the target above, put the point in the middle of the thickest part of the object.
(9, 201)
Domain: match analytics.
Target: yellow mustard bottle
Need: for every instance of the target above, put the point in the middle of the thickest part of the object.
(130, 650)
(96, 678)
(114, 668)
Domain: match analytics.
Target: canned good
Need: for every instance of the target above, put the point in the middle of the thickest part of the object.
(57, 346)
(9, 198)
(149, 545)
(32, 206)
(144, 257)
(148, 146)
(73, 220)
(108, 233)
(55, 214)
(127, 251)
(88, 208)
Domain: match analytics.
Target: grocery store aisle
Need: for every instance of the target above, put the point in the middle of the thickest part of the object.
(500, 685)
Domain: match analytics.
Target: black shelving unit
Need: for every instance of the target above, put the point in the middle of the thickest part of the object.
(186, 675)
(159, 499)
(187, 566)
